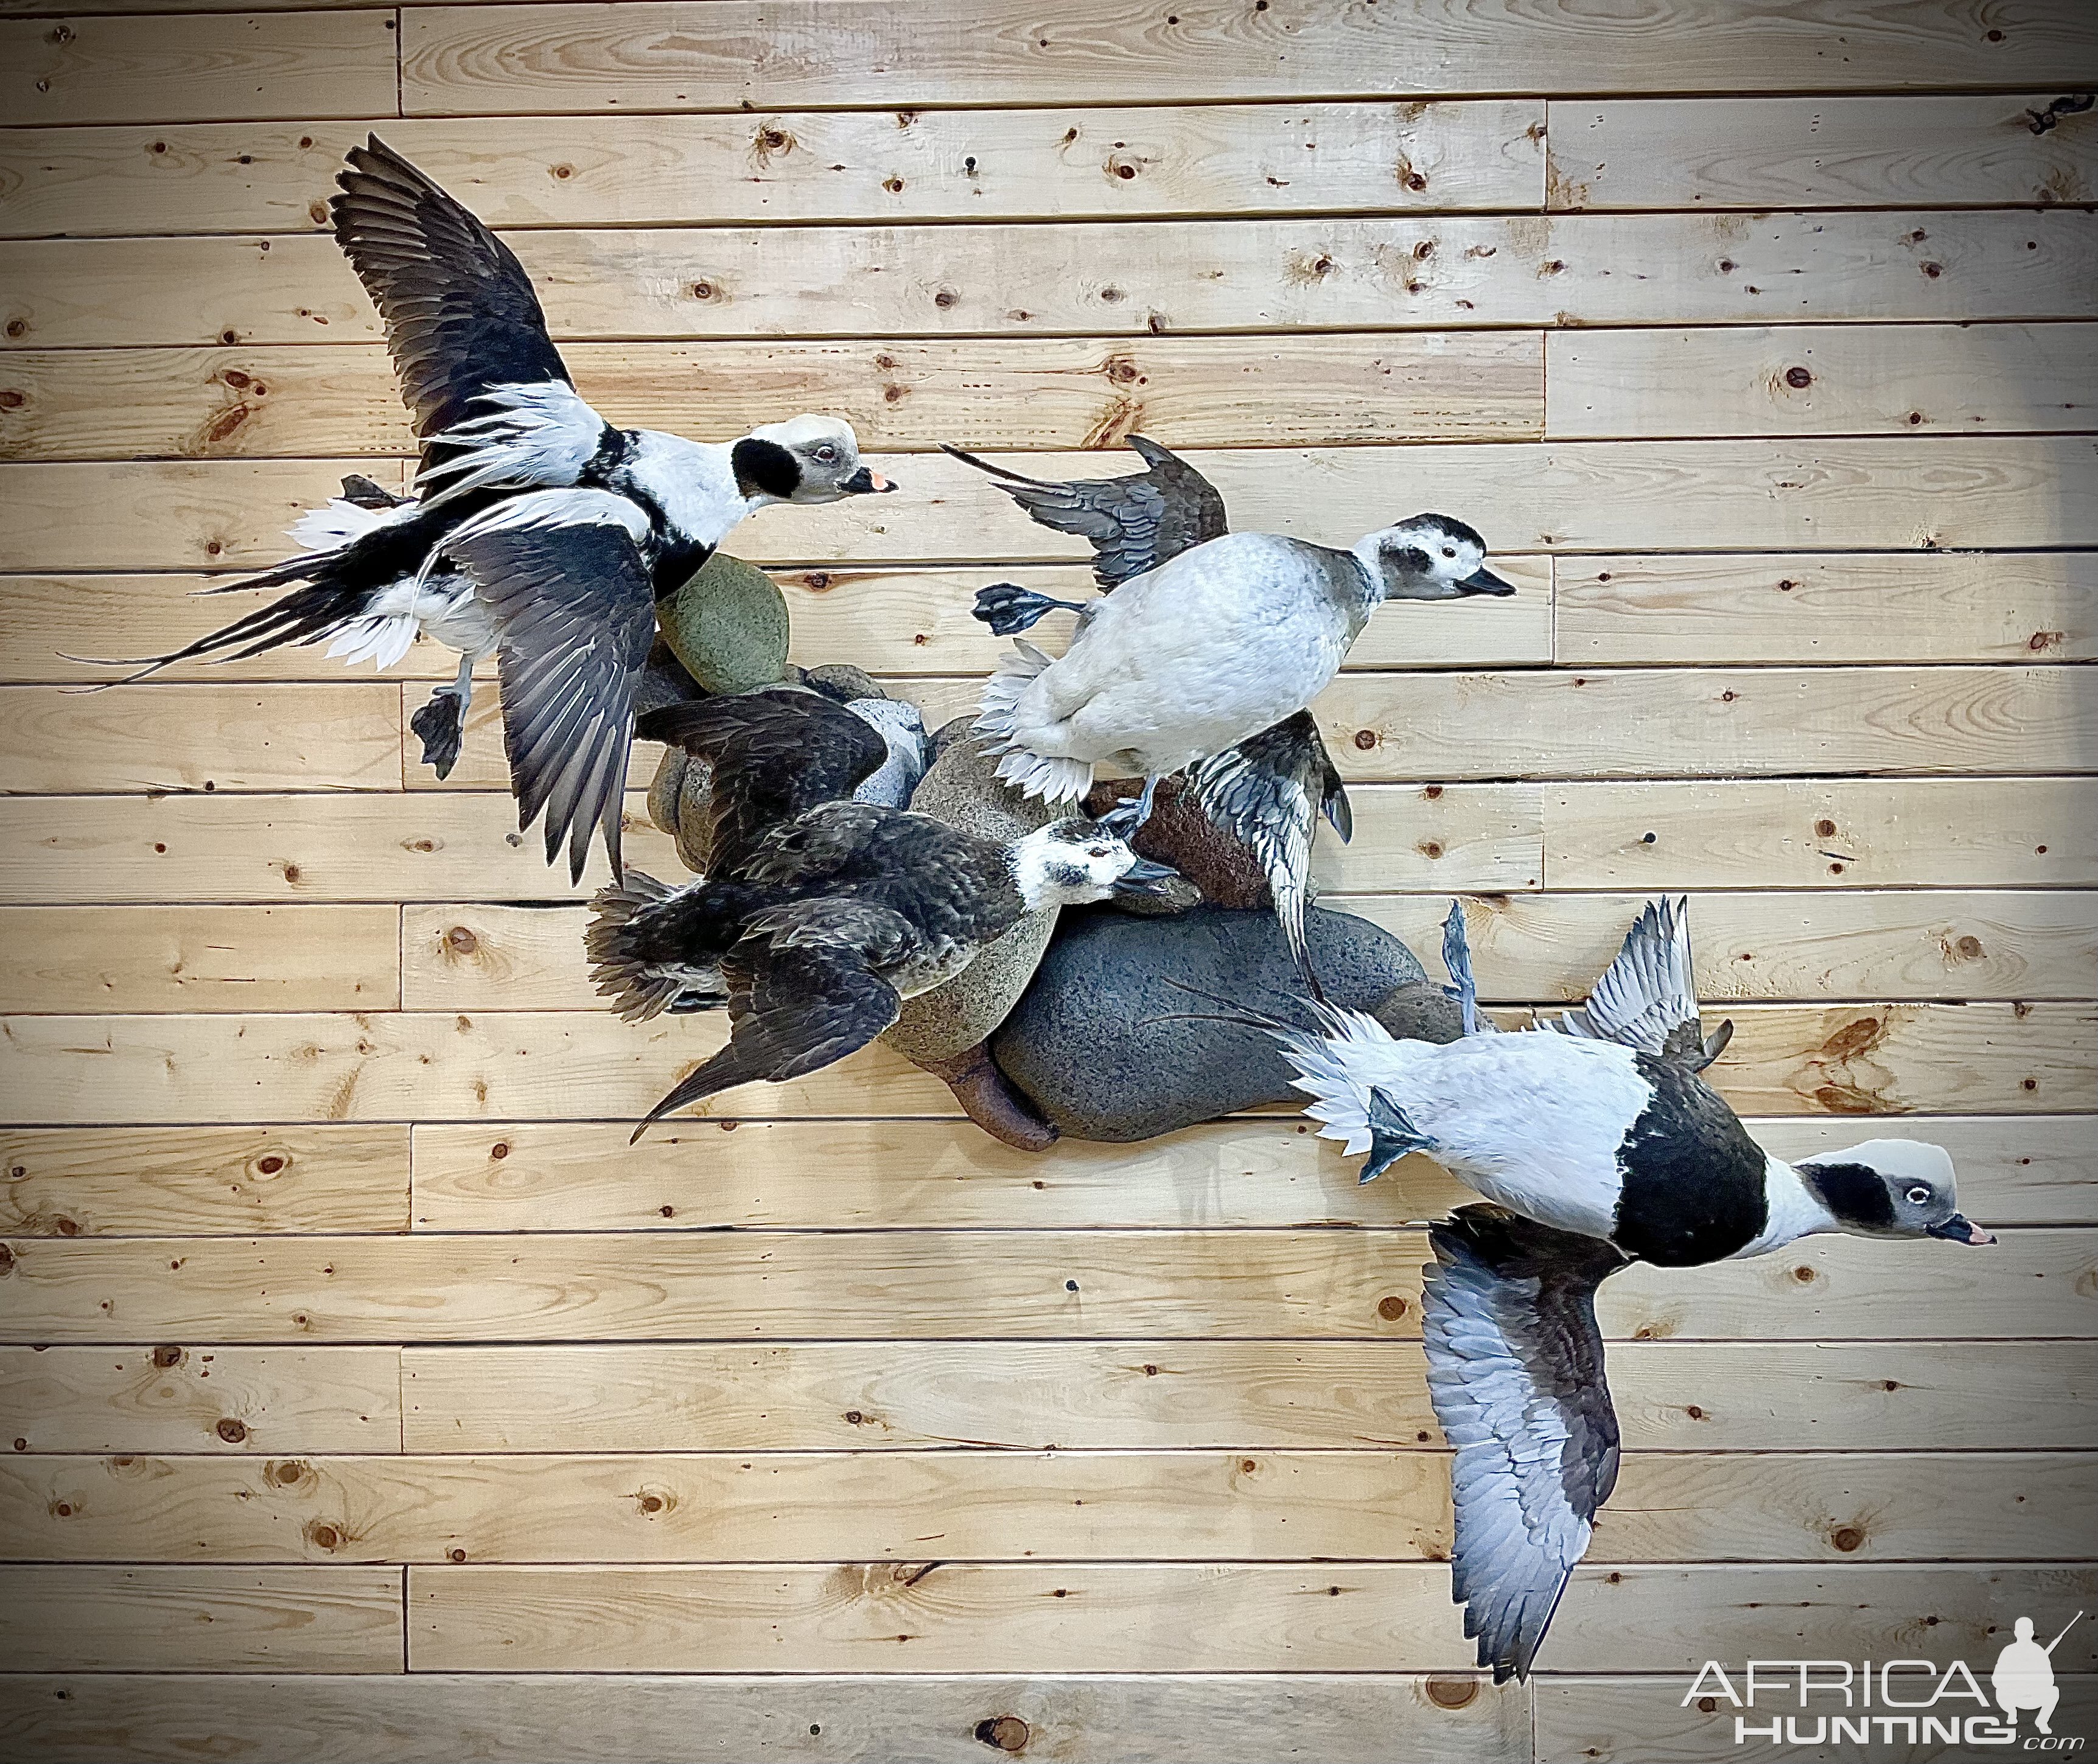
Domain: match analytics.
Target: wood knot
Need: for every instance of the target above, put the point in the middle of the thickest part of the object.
(563, 172)
(1846, 1537)
(288, 1474)
(270, 1164)
(61, 1509)
(461, 940)
(1366, 738)
(500, 1150)
(1452, 1692)
(893, 186)
(455, 1555)
(1798, 378)
(1391, 1307)
(703, 290)
(6, 1260)
(12, 400)
(167, 1356)
(1003, 1733)
(1708, 1705)
(1824, 829)
(946, 299)
(322, 1536)
(1431, 848)
(1804, 1275)
(654, 1501)
(231, 1430)
(18, 327)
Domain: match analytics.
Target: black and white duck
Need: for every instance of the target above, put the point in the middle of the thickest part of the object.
(1268, 621)
(1598, 1146)
(821, 915)
(538, 531)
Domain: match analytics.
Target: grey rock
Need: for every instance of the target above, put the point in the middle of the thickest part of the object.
(963, 790)
(1105, 1046)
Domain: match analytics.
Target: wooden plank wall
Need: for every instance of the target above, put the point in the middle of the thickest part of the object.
(368, 1400)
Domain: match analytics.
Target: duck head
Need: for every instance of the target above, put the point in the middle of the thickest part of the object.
(1074, 862)
(805, 459)
(1891, 1188)
(1430, 557)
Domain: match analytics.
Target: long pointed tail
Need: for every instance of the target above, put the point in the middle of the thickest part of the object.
(984, 465)
(307, 614)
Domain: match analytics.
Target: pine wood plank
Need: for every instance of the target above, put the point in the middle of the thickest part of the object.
(1823, 380)
(925, 1617)
(1871, 1059)
(1136, 278)
(573, 58)
(1896, 832)
(116, 70)
(526, 1176)
(157, 737)
(116, 1182)
(440, 1718)
(1004, 1285)
(1323, 390)
(2025, 607)
(173, 1398)
(898, 621)
(82, 1617)
(799, 166)
(200, 959)
(1669, 1395)
(1811, 152)
(1656, 1721)
(451, 844)
(1010, 1507)
(1943, 492)
(1768, 946)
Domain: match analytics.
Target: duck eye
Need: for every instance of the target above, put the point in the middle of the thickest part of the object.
(1447, 552)
(1918, 1195)
(826, 452)
(1096, 851)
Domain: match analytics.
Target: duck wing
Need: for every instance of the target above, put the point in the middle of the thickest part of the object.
(1515, 1372)
(1268, 792)
(774, 756)
(1134, 523)
(491, 399)
(575, 616)
(1648, 997)
(804, 990)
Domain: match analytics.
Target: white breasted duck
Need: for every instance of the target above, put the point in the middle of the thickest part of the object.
(1600, 1146)
(1268, 787)
(822, 914)
(538, 531)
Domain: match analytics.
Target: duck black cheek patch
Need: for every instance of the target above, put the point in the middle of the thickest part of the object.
(1855, 1193)
(765, 468)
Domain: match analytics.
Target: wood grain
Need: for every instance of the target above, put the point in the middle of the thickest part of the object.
(799, 1718)
(1010, 1507)
(89, 1617)
(798, 166)
(215, 1400)
(576, 1176)
(1328, 389)
(115, 70)
(2025, 607)
(906, 1617)
(1447, 272)
(1824, 380)
(892, 1395)
(118, 1181)
(1185, 1284)
(1804, 152)
(200, 959)
(700, 57)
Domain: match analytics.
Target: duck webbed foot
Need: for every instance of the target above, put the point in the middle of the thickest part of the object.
(1131, 812)
(1009, 609)
(441, 723)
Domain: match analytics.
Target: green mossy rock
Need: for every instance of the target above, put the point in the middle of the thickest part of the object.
(728, 625)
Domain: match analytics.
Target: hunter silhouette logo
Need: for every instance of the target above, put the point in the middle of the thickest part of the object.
(2023, 1676)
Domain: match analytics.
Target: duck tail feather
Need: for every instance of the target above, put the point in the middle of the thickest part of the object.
(1055, 778)
(640, 984)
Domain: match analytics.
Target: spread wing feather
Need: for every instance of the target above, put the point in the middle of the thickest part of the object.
(1515, 1374)
(1134, 523)
(1647, 997)
(575, 617)
(1268, 792)
(464, 328)
(774, 756)
(803, 994)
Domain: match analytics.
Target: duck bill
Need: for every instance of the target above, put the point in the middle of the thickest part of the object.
(1959, 1229)
(1147, 879)
(866, 481)
(1483, 580)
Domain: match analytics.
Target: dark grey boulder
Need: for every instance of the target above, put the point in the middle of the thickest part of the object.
(1102, 1043)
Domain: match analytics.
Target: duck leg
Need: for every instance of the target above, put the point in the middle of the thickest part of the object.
(992, 1100)
(1132, 812)
(1008, 609)
(441, 723)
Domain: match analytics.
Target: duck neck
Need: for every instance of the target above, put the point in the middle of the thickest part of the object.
(1795, 1210)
